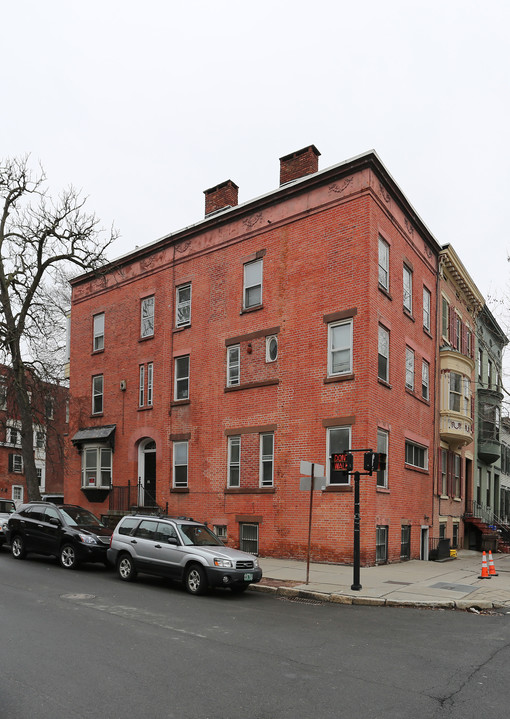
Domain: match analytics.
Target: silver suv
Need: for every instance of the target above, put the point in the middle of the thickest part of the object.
(181, 549)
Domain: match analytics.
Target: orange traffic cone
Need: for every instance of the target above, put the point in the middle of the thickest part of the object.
(492, 568)
(485, 572)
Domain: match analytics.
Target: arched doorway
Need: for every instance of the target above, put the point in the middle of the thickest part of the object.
(147, 473)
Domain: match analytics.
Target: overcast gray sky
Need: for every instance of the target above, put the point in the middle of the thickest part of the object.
(144, 105)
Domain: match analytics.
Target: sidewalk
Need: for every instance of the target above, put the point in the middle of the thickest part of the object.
(453, 584)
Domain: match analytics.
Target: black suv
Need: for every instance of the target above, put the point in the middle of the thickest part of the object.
(71, 533)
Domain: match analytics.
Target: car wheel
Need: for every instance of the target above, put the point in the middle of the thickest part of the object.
(126, 568)
(68, 557)
(238, 588)
(18, 548)
(195, 580)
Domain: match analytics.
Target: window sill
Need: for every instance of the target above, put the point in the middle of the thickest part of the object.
(180, 329)
(97, 352)
(338, 488)
(180, 402)
(246, 310)
(409, 314)
(339, 378)
(416, 469)
(428, 333)
(252, 385)
(179, 490)
(383, 490)
(144, 339)
(249, 490)
(98, 414)
(457, 499)
(384, 383)
(144, 409)
(385, 292)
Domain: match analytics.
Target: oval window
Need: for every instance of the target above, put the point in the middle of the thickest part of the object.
(271, 349)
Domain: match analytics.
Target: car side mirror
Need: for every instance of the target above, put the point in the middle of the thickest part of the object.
(172, 540)
(55, 521)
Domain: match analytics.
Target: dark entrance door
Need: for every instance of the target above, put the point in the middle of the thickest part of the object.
(150, 476)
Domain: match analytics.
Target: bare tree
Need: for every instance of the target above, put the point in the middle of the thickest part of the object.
(41, 240)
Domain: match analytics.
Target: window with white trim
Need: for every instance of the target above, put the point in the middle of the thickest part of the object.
(180, 464)
(220, 530)
(234, 461)
(409, 368)
(18, 492)
(408, 289)
(98, 344)
(233, 366)
(3, 394)
(271, 348)
(13, 433)
(252, 292)
(340, 348)
(444, 473)
(382, 448)
(425, 380)
(383, 356)
(266, 459)
(16, 463)
(381, 544)
(183, 305)
(181, 387)
(146, 385)
(338, 439)
(416, 455)
(96, 466)
(445, 319)
(384, 264)
(426, 309)
(97, 394)
(457, 460)
(147, 317)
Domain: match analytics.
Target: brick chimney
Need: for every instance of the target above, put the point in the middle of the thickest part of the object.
(220, 197)
(298, 164)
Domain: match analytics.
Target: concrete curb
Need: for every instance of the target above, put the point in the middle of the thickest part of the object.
(458, 604)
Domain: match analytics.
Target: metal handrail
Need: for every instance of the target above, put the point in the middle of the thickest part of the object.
(488, 517)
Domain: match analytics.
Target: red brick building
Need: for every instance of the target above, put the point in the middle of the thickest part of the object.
(49, 410)
(205, 366)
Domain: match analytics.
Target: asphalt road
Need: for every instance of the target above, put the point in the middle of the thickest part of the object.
(85, 645)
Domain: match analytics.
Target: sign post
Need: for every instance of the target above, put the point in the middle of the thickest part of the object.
(315, 471)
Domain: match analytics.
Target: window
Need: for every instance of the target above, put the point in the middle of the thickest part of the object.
(426, 309)
(405, 542)
(17, 493)
(409, 368)
(455, 535)
(96, 466)
(382, 447)
(489, 374)
(3, 393)
(425, 380)
(445, 315)
(98, 332)
(183, 306)
(444, 473)
(13, 436)
(458, 333)
(489, 415)
(97, 394)
(340, 348)
(408, 289)
(383, 356)
(49, 408)
(266, 459)
(271, 348)
(180, 468)
(147, 317)
(459, 393)
(252, 284)
(16, 463)
(249, 538)
(40, 477)
(220, 530)
(416, 455)
(181, 390)
(39, 439)
(480, 366)
(338, 439)
(145, 394)
(457, 459)
(442, 530)
(234, 461)
(488, 491)
(384, 264)
(233, 366)
(381, 545)
(469, 343)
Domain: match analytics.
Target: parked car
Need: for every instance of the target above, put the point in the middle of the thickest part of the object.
(71, 533)
(180, 549)
(7, 507)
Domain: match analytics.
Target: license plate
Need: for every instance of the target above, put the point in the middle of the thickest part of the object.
(248, 577)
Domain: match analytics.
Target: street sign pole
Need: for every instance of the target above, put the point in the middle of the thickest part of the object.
(356, 564)
(309, 528)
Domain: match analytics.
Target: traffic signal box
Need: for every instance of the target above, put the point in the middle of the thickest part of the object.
(342, 463)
